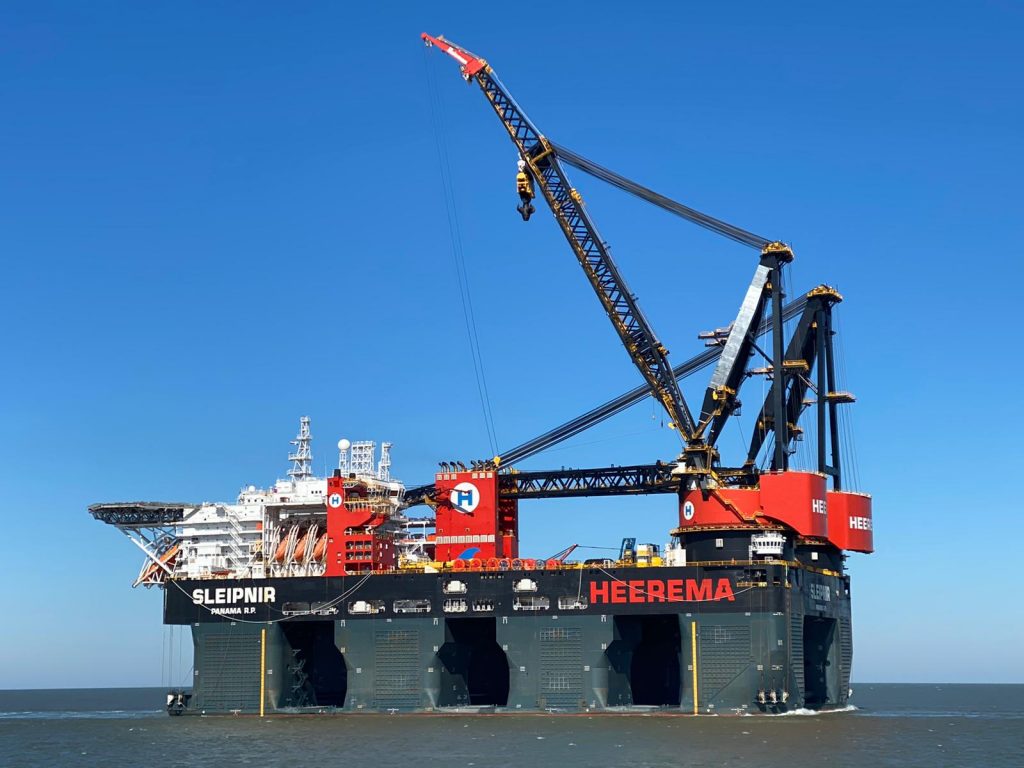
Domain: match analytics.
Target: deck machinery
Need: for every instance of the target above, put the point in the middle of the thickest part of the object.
(323, 594)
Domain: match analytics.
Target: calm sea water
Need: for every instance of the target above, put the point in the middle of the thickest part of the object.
(893, 725)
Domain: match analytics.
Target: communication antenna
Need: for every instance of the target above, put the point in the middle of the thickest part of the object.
(302, 458)
(384, 465)
(343, 446)
(363, 457)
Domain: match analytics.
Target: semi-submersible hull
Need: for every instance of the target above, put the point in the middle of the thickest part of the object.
(712, 638)
(323, 594)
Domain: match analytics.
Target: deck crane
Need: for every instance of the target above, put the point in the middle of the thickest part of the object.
(541, 161)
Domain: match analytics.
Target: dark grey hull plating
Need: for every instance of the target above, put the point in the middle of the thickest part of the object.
(778, 638)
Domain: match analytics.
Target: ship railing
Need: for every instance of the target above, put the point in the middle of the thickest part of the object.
(437, 566)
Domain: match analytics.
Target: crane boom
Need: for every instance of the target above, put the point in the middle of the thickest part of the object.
(636, 334)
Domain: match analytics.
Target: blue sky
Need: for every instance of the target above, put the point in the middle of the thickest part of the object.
(215, 218)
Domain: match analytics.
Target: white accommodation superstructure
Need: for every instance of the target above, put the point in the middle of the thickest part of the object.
(279, 531)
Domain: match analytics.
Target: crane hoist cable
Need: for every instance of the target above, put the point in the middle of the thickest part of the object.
(458, 256)
(847, 430)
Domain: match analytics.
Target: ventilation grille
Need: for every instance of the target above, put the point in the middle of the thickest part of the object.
(396, 669)
(724, 656)
(230, 672)
(845, 657)
(561, 667)
(796, 652)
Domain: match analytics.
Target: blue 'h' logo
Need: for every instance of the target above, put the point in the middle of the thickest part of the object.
(464, 498)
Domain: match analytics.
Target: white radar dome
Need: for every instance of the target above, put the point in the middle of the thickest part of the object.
(344, 445)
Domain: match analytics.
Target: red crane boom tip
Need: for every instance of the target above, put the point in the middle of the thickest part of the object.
(468, 63)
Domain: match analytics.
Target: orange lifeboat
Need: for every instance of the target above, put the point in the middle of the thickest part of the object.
(320, 548)
(281, 549)
(300, 548)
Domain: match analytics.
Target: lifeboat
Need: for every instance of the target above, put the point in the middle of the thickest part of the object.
(320, 548)
(281, 549)
(300, 548)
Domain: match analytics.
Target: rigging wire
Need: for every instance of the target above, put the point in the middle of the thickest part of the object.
(778, 377)
(797, 445)
(725, 229)
(458, 255)
(812, 441)
(598, 441)
(759, 429)
(621, 403)
(846, 416)
(769, 450)
(163, 656)
(744, 445)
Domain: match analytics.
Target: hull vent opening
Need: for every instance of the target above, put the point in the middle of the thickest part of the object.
(819, 661)
(646, 659)
(474, 668)
(316, 673)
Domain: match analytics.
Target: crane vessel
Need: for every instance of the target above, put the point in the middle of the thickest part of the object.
(325, 594)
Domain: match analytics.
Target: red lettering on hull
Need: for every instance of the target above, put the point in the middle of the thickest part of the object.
(661, 591)
(724, 590)
(675, 590)
(636, 592)
(619, 592)
(698, 592)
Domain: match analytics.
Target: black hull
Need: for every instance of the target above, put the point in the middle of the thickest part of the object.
(717, 638)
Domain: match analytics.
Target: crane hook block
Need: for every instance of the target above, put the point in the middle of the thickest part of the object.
(524, 186)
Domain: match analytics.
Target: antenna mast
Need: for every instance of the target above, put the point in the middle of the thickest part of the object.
(302, 458)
